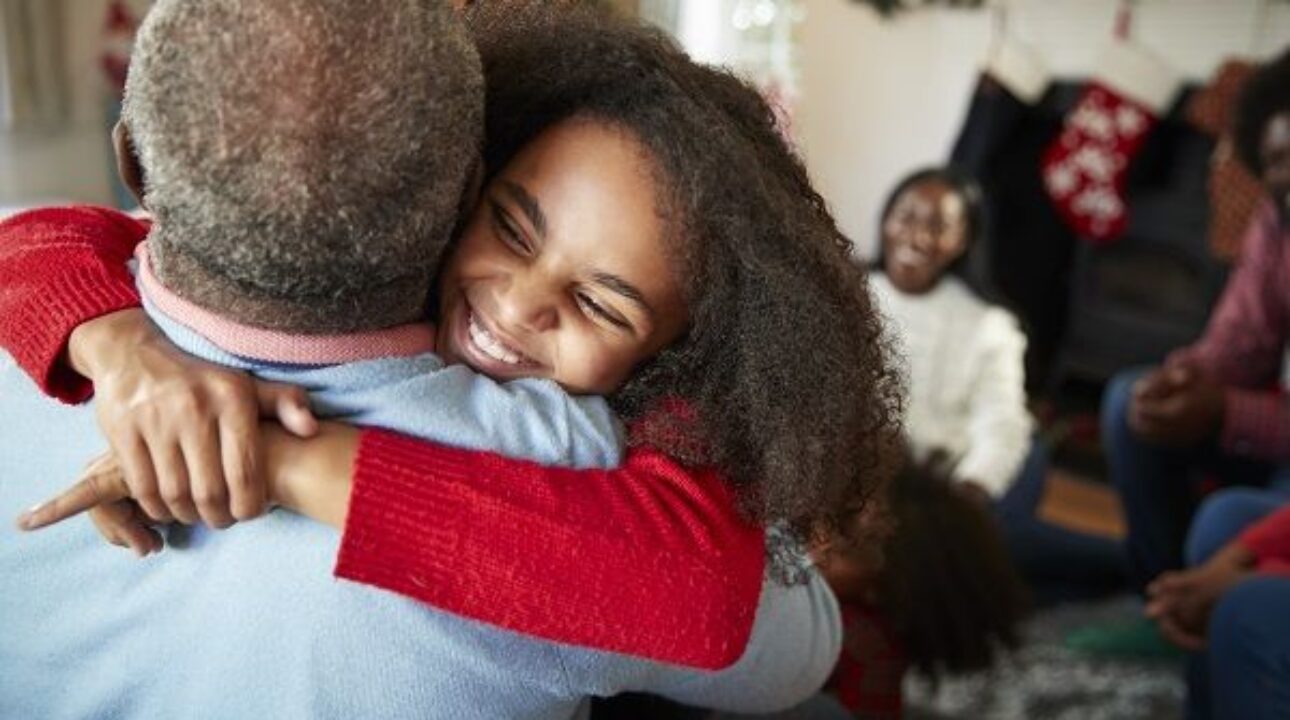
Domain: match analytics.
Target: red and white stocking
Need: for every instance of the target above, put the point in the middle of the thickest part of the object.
(1085, 167)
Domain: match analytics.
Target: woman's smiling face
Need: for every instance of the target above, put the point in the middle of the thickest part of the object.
(562, 272)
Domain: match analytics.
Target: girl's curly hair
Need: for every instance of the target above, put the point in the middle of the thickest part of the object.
(948, 587)
(784, 366)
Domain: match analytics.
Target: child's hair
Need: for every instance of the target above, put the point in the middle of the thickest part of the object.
(784, 366)
(948, 586)
(971, 267)
(1265, 95)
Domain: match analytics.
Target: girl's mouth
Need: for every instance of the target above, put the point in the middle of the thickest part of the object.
(490, 346)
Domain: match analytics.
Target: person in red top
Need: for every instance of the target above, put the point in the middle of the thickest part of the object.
(1229, 607)
(579, 554)
(1213, 410)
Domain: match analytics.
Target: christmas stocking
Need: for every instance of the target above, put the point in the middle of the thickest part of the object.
(1085, 167)
(1013, 78)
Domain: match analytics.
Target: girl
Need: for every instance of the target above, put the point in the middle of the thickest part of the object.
(778, 378)
(939, 597)
(966, 376)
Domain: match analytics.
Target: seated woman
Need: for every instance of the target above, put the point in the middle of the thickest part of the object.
(966, 378)
(750, 400)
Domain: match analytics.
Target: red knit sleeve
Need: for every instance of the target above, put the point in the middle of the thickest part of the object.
(650, 559)
(60, 267)
(1269, 538)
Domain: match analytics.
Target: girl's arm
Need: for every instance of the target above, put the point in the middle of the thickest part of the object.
(60, 267)
(651, 559)
(647, 559)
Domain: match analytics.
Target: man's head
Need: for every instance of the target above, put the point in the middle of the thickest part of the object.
(304, 160)
(1263, 129)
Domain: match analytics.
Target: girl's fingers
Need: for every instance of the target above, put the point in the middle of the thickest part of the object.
(239, 443)
(289, 405)
(90, 491)
(124, 524)
(172, 479)
(141, 476)
(206, 474)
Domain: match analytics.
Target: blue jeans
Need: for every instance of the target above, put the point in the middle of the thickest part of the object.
(1160, 486)
(1245, 671)
(1059, 565)
(1249, 650)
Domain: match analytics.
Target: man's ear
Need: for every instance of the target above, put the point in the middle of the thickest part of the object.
(470, 198)
(127, 161)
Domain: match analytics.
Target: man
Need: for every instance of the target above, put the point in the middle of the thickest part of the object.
(304, 178)
(1213, 410)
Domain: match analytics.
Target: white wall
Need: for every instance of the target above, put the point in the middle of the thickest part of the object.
(69, 162)
(880, 97)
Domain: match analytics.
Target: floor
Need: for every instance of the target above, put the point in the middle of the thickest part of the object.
(1044, 680)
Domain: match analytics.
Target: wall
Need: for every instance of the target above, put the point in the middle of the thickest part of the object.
(880, 97)
(69, 162)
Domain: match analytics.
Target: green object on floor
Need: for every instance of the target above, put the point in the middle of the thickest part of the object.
(1137, 638)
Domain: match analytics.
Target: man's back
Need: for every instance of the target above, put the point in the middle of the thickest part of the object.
(247, 622)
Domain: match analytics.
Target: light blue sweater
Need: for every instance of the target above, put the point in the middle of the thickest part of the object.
(250, 623)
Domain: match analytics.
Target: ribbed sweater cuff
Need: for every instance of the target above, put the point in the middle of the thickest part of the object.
(39, 330)
(420, 525)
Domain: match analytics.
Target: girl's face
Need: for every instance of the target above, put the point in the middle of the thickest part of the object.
(562, 271)
(924, 232)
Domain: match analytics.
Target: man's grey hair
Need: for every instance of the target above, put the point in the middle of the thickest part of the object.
(304, 160)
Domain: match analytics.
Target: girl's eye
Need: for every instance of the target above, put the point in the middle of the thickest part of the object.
(510, 234)
(594, 308)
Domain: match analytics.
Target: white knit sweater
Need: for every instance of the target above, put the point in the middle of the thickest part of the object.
(966, 379)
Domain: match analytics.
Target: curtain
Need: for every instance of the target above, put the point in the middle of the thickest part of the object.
(33, 79)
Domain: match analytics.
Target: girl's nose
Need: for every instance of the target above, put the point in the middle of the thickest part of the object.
(529, 304)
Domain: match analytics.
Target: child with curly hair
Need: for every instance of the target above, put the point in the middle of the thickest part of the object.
(938, 597)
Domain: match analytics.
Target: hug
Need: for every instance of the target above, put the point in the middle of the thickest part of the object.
(528, 328)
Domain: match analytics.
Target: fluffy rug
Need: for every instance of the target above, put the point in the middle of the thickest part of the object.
(1045, 680)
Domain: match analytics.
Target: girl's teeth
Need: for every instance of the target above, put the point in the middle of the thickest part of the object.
(490, 345)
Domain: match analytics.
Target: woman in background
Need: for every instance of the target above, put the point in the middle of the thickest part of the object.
(966, 378)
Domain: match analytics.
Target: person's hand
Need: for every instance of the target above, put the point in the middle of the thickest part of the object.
(1176, 405)
(184, 431)
(102, 491)
(1181, 602)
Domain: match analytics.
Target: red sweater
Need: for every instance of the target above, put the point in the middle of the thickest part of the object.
(650, 559)
(1269, 541)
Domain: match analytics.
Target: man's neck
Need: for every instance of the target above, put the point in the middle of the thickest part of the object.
(278, 346)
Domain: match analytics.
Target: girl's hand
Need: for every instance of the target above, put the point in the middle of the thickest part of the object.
(123, 524)
(185, 431)
(310, 476)
(103, 492)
